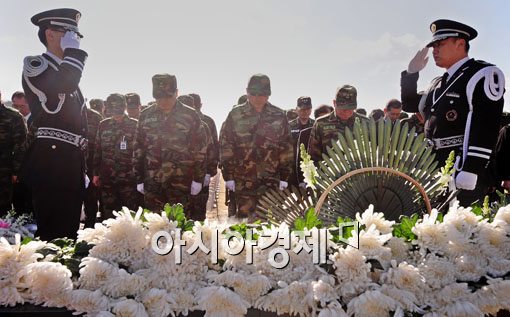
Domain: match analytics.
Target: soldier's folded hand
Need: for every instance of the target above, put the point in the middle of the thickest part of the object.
(195, 188)
(95, 180)
(70, 40)
(87, 181)
(230, 185)
(466, 180)
(302, 185)
(207, 180)
(283, 185)
(139, 188)
(419, 61)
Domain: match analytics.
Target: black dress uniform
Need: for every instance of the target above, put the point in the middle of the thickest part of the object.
(462, 114)
(54, 164)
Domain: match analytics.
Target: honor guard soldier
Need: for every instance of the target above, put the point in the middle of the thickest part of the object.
(255, 147)
(326, 129)
(300, 129)
(54, 165)
(169, 148)
(458, 106)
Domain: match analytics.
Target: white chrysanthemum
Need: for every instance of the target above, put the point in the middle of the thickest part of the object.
(294, 299)
(159, 222)
(459, 309)
(85, 301)
(323, 292)
(124, 242)
(219, 301)
(249, 286)
(450, 294)
(48, 283)
(124, 284)
(461, 221)
(158, 302)
(333, 309)
(470, 267)
(399, 249)
(93, 235)
(9, 296)
(184, 301)
(430, 235)
(350, 265)
(438, 272)
(371, 244)
(129, 308)
(503, 216)
(370, 217)
(405, 277)
(13, 258)
(94, 273)
(494, 241)
(371, 303)
(102, 314)
(493, 297)
(406, 299)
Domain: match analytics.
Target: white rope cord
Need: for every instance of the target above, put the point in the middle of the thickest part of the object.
(494, 91)
(31, 71)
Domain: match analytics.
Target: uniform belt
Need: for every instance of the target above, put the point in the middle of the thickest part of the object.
(448, 142)
(62, 135)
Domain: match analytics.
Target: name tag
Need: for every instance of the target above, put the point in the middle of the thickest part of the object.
(123, 143)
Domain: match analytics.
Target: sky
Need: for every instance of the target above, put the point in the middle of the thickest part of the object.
(307, 48)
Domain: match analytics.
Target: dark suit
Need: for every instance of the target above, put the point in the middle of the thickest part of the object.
(461, 116)
(54, 163)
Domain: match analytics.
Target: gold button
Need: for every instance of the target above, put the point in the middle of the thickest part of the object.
(53, 146)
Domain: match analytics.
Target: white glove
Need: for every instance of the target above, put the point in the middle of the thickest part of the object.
(230, 185)
(419, 61)
(466, 180)
(302, 185)
(207, 180)
(139, 188)
(87, 181)
(195, 188)
(283, 185)
(70, 40)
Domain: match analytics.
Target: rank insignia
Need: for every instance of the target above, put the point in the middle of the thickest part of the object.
(451, 115)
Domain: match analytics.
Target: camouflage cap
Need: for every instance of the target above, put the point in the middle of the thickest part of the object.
(187, 100)
(115, 101)
(163, 85)
(133, 100)
(346, 97)
(304, 102)
(242, 99)
(95, 103)
(259, 84)
(196, 98)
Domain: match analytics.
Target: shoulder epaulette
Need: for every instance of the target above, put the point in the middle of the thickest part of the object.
(34, 65)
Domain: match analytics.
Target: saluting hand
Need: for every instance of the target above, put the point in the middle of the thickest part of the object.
(419, 61)
(70, 40)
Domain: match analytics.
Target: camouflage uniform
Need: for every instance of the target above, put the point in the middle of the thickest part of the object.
(13, 133)
(414, 122)
(326, 129)
(300, 135)
(91, 193)
(113, 158)
(169, 148)
(255, 149)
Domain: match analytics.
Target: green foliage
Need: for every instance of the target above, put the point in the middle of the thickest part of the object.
(309, 221)
(26, 240)
(403, 229)
(176, 213)
(347, 231)
(242, 228)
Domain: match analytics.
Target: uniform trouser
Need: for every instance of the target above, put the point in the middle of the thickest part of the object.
(90, 203)
(247, 194)
(114, 196)
(22, 199)
(5, 194)
(198, 204)
(57, 212)
(158, 194)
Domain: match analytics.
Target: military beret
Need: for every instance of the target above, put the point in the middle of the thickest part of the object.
(443, 29)
(115, 101)
(133, 100)
(187, 100)
(346, 97)
(63, 18)
(304, 102)
(259, 84)
(163, 85)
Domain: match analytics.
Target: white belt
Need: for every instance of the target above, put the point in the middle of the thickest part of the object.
(448, 142)
(62, 135)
